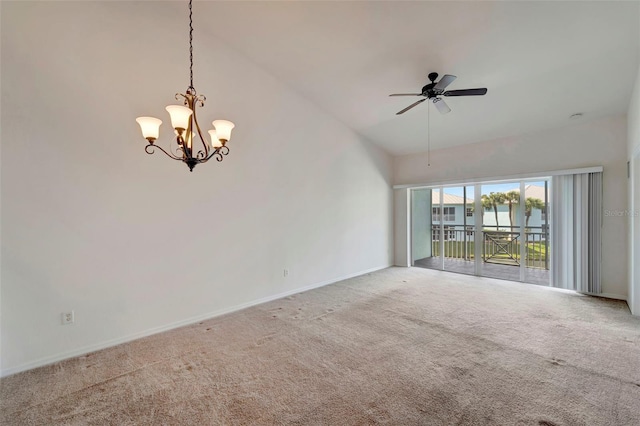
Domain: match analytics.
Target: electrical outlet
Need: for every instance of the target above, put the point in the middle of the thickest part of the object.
(67, 318)
(286, 272)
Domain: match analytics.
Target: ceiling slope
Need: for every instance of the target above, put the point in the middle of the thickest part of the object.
(541, 61)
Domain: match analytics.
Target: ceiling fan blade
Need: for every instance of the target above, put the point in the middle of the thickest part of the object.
(410, 106)
(444, 82)
(466, 92)
(441, 106)
(406, 94)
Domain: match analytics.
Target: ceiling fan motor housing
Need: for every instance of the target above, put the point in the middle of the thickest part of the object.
(428, 89)
(429, 92)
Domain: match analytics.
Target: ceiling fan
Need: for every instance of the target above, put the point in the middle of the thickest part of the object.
(434, 90)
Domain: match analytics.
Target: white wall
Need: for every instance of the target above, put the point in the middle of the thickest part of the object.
(0, 200)
(600, 142)
(634, 252)
(633, 155)
(401, 200)
(135, 243)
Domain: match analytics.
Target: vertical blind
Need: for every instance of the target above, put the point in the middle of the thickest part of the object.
(576, 205)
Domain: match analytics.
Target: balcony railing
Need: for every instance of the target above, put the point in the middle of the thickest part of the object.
(498, 246)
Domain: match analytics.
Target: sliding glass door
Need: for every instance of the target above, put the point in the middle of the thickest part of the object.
(501, 231)
(422, 234)
(536, 232)
(456, 235)
(497, 230)
(443, 229)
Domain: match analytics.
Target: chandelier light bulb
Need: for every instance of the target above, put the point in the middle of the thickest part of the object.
(223, 129)
(150, 127)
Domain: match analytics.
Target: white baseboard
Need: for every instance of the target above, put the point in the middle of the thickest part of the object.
(607, 295)
(114, 342)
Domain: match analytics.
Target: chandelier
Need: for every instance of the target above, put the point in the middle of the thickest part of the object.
(191, 147)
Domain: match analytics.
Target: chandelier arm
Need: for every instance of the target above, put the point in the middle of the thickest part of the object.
(182, 146)
(149, 149)
(179, 150)
(218, 153)
(214, 153)
(202, 140)
(218, 156)
(182, 96)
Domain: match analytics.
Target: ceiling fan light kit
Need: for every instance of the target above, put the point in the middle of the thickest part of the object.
(433, 91)
(192, 148)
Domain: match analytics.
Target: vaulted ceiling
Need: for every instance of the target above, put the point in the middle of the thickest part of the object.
(541, 61)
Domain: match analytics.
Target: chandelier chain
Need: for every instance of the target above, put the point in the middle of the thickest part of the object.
(191, 45)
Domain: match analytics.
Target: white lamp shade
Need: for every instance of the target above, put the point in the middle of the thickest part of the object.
(150, 127)
(223, 129)
(215, 142)
(180, 116)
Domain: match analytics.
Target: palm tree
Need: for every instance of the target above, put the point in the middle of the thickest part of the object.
(493, 200)
(530, 204)
(512, 197)
(486, 204)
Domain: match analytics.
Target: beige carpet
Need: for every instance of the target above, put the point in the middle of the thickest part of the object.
(400, 346)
